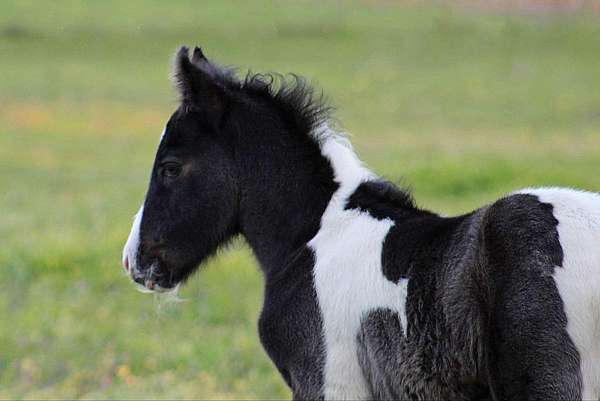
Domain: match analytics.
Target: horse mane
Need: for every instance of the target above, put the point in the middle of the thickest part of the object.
(298, 101)
(306, 111)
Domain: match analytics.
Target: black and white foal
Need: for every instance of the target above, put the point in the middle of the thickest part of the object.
(366, 295)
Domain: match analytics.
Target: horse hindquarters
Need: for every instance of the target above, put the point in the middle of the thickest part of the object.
(544, 263)
(578, 280)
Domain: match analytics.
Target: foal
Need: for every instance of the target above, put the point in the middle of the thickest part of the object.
(366, 295)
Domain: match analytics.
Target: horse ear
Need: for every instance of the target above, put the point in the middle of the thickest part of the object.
(198, 57)
(198, 84)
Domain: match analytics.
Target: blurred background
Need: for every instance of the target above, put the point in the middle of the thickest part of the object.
(462, 102)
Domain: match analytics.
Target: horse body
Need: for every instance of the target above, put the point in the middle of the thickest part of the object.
(366, 295)
(416, 306)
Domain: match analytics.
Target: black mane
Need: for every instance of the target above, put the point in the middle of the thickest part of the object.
(293, 96)
(296, 99)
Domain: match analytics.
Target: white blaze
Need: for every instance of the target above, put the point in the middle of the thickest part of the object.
(133, 242)
(132, 245)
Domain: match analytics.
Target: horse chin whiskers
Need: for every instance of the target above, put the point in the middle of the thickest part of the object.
(152, 287)
(169, 294)
(141, 288)
(164, 297)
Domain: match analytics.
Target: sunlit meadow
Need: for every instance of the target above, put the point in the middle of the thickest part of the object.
(458, 104)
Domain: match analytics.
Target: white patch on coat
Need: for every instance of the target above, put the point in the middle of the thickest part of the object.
(348, 274)
(578, 281)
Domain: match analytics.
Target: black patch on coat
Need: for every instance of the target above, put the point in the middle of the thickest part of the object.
(388, 364)
(381, 343)
(533, 355)
(382, 200)
(290, 326)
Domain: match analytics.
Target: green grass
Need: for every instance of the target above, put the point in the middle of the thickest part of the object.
(461, 106)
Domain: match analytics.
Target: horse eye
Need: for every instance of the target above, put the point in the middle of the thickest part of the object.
(170, 170)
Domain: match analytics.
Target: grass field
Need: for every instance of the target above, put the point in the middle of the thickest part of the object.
(460, 106)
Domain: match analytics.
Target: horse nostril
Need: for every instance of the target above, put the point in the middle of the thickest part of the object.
(126, 263)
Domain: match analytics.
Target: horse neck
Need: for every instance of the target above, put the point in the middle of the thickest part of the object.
(291, 190)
